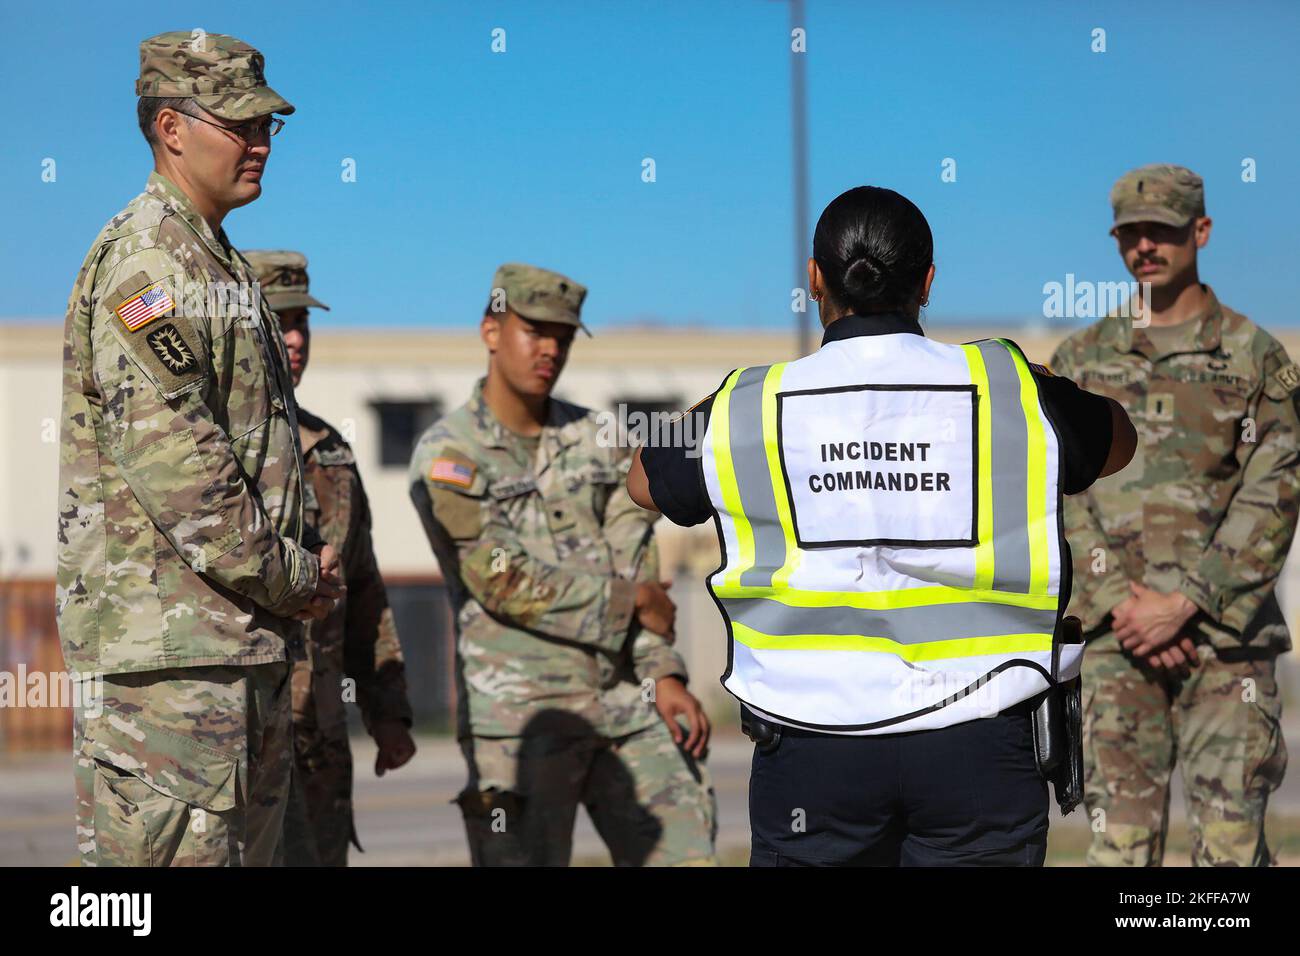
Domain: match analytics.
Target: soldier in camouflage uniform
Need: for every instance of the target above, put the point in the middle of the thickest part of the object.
(563, 633)
(353, 654)
(183, 557)
(1176, 557)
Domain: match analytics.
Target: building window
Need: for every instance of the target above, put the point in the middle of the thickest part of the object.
(400, 425)
(626, 405)
(647, 421)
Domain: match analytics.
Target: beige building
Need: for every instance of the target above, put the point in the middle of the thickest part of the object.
(382, 388)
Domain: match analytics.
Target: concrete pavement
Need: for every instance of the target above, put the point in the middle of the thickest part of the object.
(407, 818)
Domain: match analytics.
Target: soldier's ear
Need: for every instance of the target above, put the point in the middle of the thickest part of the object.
(1201, 231)
(167, 129)
(490, 330)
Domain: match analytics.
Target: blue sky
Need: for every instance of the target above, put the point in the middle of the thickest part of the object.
(467, 158)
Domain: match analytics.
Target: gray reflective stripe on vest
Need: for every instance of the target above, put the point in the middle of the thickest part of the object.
(1008, 441)
(753, 478)
(906, 625)
(1011, 568)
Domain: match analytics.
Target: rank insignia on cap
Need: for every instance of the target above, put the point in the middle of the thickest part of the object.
(167, 344)
(452, 472)
(145, 306)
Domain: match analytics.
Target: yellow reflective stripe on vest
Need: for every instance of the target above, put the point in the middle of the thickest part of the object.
(931, 651)
(1036, 505)
(884, 600)
(744, 560)
(772, 385)
(984, 556)
(1038, 543)
(720, 429)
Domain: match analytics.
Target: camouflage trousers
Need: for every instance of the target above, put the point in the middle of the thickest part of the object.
(651, 803)
(318, 822)
(1222, 724)
(184, 767)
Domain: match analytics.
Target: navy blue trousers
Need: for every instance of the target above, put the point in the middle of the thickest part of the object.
(967, 795)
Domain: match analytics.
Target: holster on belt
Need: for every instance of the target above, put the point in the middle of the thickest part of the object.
(765, 734)
(475, 804)
(1058, 725)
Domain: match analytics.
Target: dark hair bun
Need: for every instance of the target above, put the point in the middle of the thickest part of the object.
(865, 279)
(874, 249)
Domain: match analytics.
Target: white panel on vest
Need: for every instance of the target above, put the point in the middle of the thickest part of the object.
(880, 465)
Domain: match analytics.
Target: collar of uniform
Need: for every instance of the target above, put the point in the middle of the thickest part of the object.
(558, 433)
(167, 191)
(311, 430)
(885, 323)
(1209, 323)
(561, 431)
(491, 433)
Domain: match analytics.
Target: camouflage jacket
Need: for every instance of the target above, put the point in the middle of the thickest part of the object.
(1208, 505)
(180, 531)
(359, 639)
(540, 558)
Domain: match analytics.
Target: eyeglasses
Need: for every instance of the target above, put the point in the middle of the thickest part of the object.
(253, 129)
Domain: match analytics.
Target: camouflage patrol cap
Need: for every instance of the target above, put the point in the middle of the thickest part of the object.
(540, 294)
(222, 74)
(1172, 195)
(283, 278)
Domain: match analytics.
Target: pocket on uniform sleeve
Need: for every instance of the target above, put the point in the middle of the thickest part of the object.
(163, 475)
(457, 492)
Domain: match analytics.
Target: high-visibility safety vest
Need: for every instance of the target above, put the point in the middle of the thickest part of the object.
(892, 548)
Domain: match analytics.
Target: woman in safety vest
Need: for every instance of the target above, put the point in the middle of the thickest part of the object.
(894, 571)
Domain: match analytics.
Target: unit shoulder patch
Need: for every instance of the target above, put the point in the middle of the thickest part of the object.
(1281, 376)
(1287, 377)
(459, 515)
(175, 354)
(169, 355)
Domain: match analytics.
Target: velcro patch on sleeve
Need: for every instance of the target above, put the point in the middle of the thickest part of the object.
(452, 471)
(169, 354)
(174, 354)
(1287, 377)
(142, 301)
(461, 516)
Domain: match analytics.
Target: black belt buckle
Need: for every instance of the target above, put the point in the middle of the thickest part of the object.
(765, 734)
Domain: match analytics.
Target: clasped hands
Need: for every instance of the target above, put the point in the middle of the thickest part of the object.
(1149, 626)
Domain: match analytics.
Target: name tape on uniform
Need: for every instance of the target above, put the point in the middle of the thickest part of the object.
(880, 465)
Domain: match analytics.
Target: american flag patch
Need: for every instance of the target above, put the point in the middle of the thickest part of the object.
(145, 306)
(451, 471)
